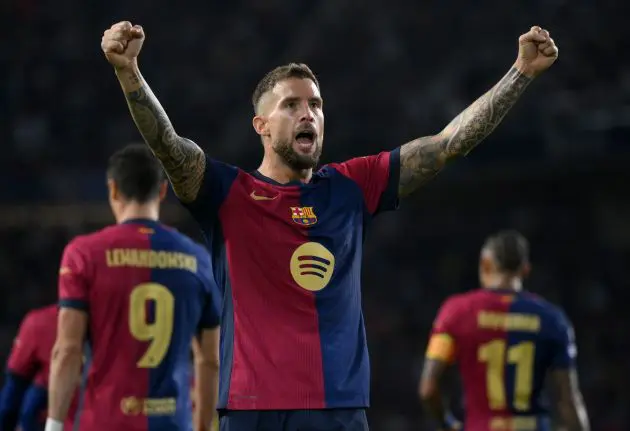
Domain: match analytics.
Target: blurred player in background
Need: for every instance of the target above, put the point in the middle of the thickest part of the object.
(25, 391)
(141, 293)
(24, 397)
(287, 241)
(507, 343)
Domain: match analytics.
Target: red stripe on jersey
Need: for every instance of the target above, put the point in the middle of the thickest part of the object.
(371, 174)
(480, 351)
(115, 385)
(276, 331)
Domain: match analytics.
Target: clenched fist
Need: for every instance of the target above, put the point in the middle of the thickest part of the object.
(536, 51)
(122, 43)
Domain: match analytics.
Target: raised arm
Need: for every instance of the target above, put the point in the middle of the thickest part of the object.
(183, 160)
(422, 158)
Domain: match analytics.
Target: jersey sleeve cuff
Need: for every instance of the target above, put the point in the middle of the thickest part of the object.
(209, 325)
(76, 304)
(389, 199)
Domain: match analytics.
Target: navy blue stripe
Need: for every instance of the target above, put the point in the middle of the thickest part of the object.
(11, 398)
(389, 198)
(34, 403)
(227, 346)
(77, 304)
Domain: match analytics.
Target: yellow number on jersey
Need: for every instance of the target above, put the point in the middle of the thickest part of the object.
(160, 331)
(521, 355)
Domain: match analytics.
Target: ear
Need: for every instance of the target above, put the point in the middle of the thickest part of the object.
(486, 262)
(163, 190)
(114, 193)
(260, 124)
(526, 270)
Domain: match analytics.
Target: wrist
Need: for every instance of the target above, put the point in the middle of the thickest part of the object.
(129, 77)
(53, 425)
(449, 422)
(524, 69)
(131, 67)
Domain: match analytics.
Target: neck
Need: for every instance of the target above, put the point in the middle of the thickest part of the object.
(277, 170)
(504, 283)
(134, 210)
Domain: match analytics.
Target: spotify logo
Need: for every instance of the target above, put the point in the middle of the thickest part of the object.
(312, 266)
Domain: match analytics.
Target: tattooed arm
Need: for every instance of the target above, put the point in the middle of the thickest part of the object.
(422, 158)
(182, 159)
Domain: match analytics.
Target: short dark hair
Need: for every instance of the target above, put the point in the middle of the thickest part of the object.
(136, 172)
(280, 73)
(510, 250)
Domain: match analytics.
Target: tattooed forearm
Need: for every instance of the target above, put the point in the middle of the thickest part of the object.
(421, 159)
(183, 161)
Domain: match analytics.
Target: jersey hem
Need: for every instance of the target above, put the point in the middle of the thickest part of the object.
(236, 406)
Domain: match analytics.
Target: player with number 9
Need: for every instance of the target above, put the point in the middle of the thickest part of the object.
(142, 294)
(507, 344)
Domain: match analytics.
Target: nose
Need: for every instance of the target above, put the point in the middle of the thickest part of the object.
(307, 114)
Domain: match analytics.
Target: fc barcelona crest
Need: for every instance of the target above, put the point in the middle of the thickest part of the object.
(303, 215)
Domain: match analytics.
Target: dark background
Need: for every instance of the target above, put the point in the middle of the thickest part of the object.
(390, 71)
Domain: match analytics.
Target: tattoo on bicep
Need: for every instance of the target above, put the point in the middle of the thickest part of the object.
(183, 160)
(423, 158)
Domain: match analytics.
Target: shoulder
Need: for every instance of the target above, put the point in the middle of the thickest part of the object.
(551, 313)
(191, 245)
(30, 318)
(42, 316)
(85, 242)
(45, 312)
(453, 307)
(187, 245)
(461, 301)
(544, 306)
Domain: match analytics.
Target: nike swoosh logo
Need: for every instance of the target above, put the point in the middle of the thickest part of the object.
(256, 197)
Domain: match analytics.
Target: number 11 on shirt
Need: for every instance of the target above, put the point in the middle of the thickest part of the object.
(497, 358)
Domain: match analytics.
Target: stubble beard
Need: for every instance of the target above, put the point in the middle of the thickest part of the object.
(295, 160)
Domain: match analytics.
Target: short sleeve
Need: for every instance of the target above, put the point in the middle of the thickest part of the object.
(447, 317)
(23, 358)
(74, 278)
(377, 176)
(564, 350)
(442, 344)
(217, 181)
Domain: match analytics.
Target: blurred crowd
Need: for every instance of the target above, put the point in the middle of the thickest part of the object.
(390, 71)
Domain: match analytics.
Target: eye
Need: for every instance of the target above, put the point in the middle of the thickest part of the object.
(316, 104)
(291, 105)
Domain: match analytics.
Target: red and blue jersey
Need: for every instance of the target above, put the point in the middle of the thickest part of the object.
(30, 355)
(24, 394)
(504, 343)
(147, 290)
(288, 257)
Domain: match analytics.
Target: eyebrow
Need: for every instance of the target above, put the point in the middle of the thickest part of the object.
(297, 99)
